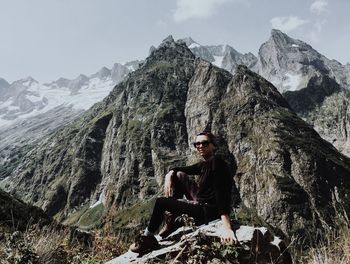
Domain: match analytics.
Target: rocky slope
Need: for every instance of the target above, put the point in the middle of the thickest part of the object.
(119, 150)
(16, 214)
(18, 139)
(306, 78)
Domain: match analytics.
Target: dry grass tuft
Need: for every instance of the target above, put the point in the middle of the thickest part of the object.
(52, 244)
(335, 249)
(334, 245)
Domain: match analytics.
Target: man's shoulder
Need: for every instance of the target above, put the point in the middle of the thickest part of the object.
(219, 158)
(218, 161)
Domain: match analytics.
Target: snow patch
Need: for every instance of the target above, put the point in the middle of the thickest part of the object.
(130, 68)
(13, 108)
(218, 60)
(7, 103)
(295, 46)
(34, 98)
(99, 201)
(194, 45)
(95, 204)
(292, 82)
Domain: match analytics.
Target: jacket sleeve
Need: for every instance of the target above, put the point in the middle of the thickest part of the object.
(194, 169)
(223, 181)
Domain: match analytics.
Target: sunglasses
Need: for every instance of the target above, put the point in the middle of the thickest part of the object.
(204, 143)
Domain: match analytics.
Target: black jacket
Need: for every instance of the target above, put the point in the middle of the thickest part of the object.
(215, 182)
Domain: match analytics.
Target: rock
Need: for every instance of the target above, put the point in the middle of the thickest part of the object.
(256, 245)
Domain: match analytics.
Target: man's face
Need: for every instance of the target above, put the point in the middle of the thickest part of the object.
(204, 147)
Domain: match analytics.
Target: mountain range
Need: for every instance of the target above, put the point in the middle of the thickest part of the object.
(316, 87)
(116, 153)
(27, 97)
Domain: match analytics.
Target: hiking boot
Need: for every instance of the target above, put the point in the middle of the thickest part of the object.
(144, 244)
(170, 225)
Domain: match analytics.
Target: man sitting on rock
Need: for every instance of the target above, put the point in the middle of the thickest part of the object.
(206, 201)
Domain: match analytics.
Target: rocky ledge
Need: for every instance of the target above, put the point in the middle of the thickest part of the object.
(202, 245)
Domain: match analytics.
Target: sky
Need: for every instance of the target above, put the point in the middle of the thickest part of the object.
(49, 39)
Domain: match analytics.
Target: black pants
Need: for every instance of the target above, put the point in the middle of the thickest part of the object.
(182, 186)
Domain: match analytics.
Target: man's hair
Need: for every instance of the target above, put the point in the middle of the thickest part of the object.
(211, 137)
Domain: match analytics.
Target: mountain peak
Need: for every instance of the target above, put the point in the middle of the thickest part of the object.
(81, 77)
(169, 50)
(103, 73)
(188, 41)
(26, 81)
(280, 38)
(275, 31)
(168, 40)
(4, 83)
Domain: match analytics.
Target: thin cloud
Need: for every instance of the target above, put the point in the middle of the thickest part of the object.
(319, 6)
(287, 24)
(317, 30)
(318, 25)
(188, 9)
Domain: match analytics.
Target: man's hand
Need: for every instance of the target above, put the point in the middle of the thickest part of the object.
(226, 233)
(168, 185)
(228, 236)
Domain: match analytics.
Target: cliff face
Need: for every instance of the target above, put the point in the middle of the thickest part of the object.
(286, 172)
(311, 83)
(118, 152)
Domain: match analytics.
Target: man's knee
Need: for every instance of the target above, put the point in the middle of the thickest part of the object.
(181, 176)
(162, 202)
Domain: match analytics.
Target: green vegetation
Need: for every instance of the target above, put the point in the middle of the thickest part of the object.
(92, 217)
(86, 218)
(133, 216)
(73, 218)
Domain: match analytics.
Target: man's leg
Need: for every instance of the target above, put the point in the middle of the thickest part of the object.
(174, 206)
(184, 185)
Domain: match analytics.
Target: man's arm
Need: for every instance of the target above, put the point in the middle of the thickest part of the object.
(194, 169)
(168, 184)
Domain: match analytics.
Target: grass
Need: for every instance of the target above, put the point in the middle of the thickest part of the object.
(334, 249)
(56, 244)
(333, 245)
(86, 218)
(92, 217)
